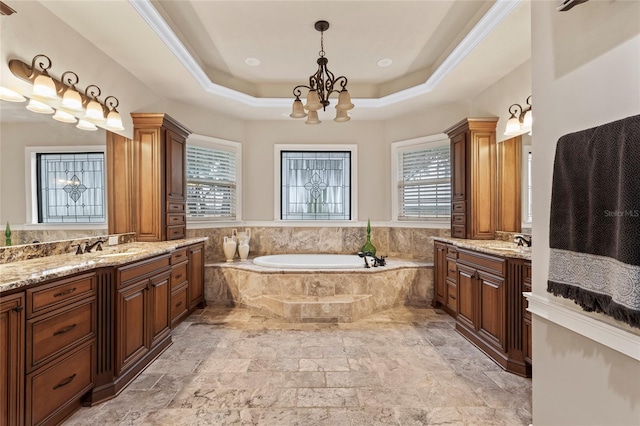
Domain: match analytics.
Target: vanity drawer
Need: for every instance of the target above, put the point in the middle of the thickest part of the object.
(458, 218)
(146, 267)
(50, 335)
(452, 296)
(452, 270)
(47, 297)
(175, 232)
(175, 219)
(458, 231)
(459, 207)
(178, 275)
(51, 388)
(452, 252)
(483, 262)
(175, 207)
(178, 256)
(179, 305)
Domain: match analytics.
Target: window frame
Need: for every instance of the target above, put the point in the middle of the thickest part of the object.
(31, 187)
(277, 173)
(415, 144)
(222, 145)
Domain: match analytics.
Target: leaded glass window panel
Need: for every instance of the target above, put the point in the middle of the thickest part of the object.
(71, 187)
(316, 185)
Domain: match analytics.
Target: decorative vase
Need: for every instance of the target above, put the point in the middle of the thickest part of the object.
(7, 235)
(243, 237)
(229, 248)
(243, 250)
(368, 247)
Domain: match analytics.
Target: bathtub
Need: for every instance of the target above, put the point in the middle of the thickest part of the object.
(311, 261)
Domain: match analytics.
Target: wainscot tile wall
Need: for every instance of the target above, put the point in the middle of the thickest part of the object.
(406, 243)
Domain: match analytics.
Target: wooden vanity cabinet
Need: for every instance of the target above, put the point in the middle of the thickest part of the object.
(473, 178)
(12, 314)
(159, 176)
(179, 286)
(486, 299)
(526, 315)
(196, 276)
(142, 315)
(60, 347)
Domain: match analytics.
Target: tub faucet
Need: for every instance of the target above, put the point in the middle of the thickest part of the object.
(521, 240)
(377, 261)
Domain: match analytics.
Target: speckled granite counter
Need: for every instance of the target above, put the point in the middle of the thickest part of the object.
(494, 247)
(20, 274)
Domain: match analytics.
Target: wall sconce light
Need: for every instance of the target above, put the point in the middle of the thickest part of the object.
(520, 121)
(49, 95)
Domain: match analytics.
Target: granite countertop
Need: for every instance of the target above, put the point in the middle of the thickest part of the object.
(24, 273)
(494, 247)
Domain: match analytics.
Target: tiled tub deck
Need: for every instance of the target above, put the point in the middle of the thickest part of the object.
(330, 295)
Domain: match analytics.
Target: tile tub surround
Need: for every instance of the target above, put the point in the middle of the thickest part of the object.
(406, 243)
(20, 274)
(16, 253)
(405, 366)
(299, 295)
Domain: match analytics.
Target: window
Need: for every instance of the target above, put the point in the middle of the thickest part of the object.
(70, 187)
(316, 184)
(423, 179)
(212, 184)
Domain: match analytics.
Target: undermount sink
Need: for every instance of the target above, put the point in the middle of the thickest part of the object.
(120, 254)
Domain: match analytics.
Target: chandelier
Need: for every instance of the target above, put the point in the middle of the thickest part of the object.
(321, 85)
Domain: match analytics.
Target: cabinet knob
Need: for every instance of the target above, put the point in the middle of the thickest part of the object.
(18, 309)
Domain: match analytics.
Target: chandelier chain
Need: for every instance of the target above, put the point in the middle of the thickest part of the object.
(321, 53)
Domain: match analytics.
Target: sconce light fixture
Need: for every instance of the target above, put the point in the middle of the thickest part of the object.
(520, 120)
(321, 86)
(49, 95)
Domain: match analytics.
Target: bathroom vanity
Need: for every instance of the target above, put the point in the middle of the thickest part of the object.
(480, 283)
(78, 328)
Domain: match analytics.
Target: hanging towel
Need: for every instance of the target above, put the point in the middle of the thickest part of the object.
(595, 220)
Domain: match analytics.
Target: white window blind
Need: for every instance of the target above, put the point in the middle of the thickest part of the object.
(424, 183)
(211, 183)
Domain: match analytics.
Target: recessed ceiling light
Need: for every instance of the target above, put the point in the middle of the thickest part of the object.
(384, 62)
(254, 62)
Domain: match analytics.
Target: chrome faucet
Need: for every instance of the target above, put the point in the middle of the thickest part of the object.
(521, 240)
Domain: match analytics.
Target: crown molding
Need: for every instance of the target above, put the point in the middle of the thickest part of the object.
(500, 10)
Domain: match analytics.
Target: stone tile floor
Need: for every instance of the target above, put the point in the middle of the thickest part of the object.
(404, 366)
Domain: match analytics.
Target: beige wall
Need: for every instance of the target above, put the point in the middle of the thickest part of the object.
(585, 68)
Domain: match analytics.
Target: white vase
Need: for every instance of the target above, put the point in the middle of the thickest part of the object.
(243, 250)
(244, 236)
(229, 248)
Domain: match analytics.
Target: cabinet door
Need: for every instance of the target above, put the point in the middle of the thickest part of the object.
(458, 162)
(196, 275)
(160, 320)
(12, 359)
(175, 166)
(492, 310)
(133, 330)
(467, 299)
(440, 273)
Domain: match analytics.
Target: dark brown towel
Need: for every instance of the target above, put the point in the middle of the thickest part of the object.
(595, 220)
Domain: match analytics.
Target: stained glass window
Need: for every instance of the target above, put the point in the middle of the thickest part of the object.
(316, 185)
(71, 187)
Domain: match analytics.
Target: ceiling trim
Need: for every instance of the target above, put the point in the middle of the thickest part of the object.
(500, 10)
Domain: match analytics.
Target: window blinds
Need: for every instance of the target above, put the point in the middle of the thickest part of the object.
(211, 183)
(424, 183)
